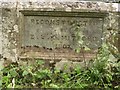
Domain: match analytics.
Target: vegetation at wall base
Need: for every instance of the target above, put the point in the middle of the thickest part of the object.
(104, 73)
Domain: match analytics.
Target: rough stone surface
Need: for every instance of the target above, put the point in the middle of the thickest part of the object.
(10, 15)
(1, 60)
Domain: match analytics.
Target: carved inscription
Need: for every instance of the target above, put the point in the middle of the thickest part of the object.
(59, 32)
(58, 22)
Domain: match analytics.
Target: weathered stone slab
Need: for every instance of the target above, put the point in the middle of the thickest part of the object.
(59, 35)
(59, 32)
(13, 47)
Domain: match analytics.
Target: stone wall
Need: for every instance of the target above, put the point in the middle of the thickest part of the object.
(12, 13)
(11, 23)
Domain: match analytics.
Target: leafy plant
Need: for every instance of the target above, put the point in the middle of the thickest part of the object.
(100, 75)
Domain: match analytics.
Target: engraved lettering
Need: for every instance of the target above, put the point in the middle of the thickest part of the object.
(37, 21)
(32, 20)
(32, 36)
(63, 21)
(41, 21)
(57, 22)
(46, 21)
(85, 23)
(52, 21)
(52, 32)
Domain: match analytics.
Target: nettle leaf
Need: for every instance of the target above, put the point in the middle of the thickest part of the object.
(40, 62)
(13, 73)
(78, 50)
(87, 48)
(10, 85)
(78, 69)
(80, 41)
(108, 77)
(54, 86)
(25, 73)
(5, 79)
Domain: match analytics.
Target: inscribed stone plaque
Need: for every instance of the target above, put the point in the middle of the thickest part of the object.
(60, 32)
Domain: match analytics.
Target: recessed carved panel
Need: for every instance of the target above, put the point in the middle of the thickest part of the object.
(57, 35)
(59, 32)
